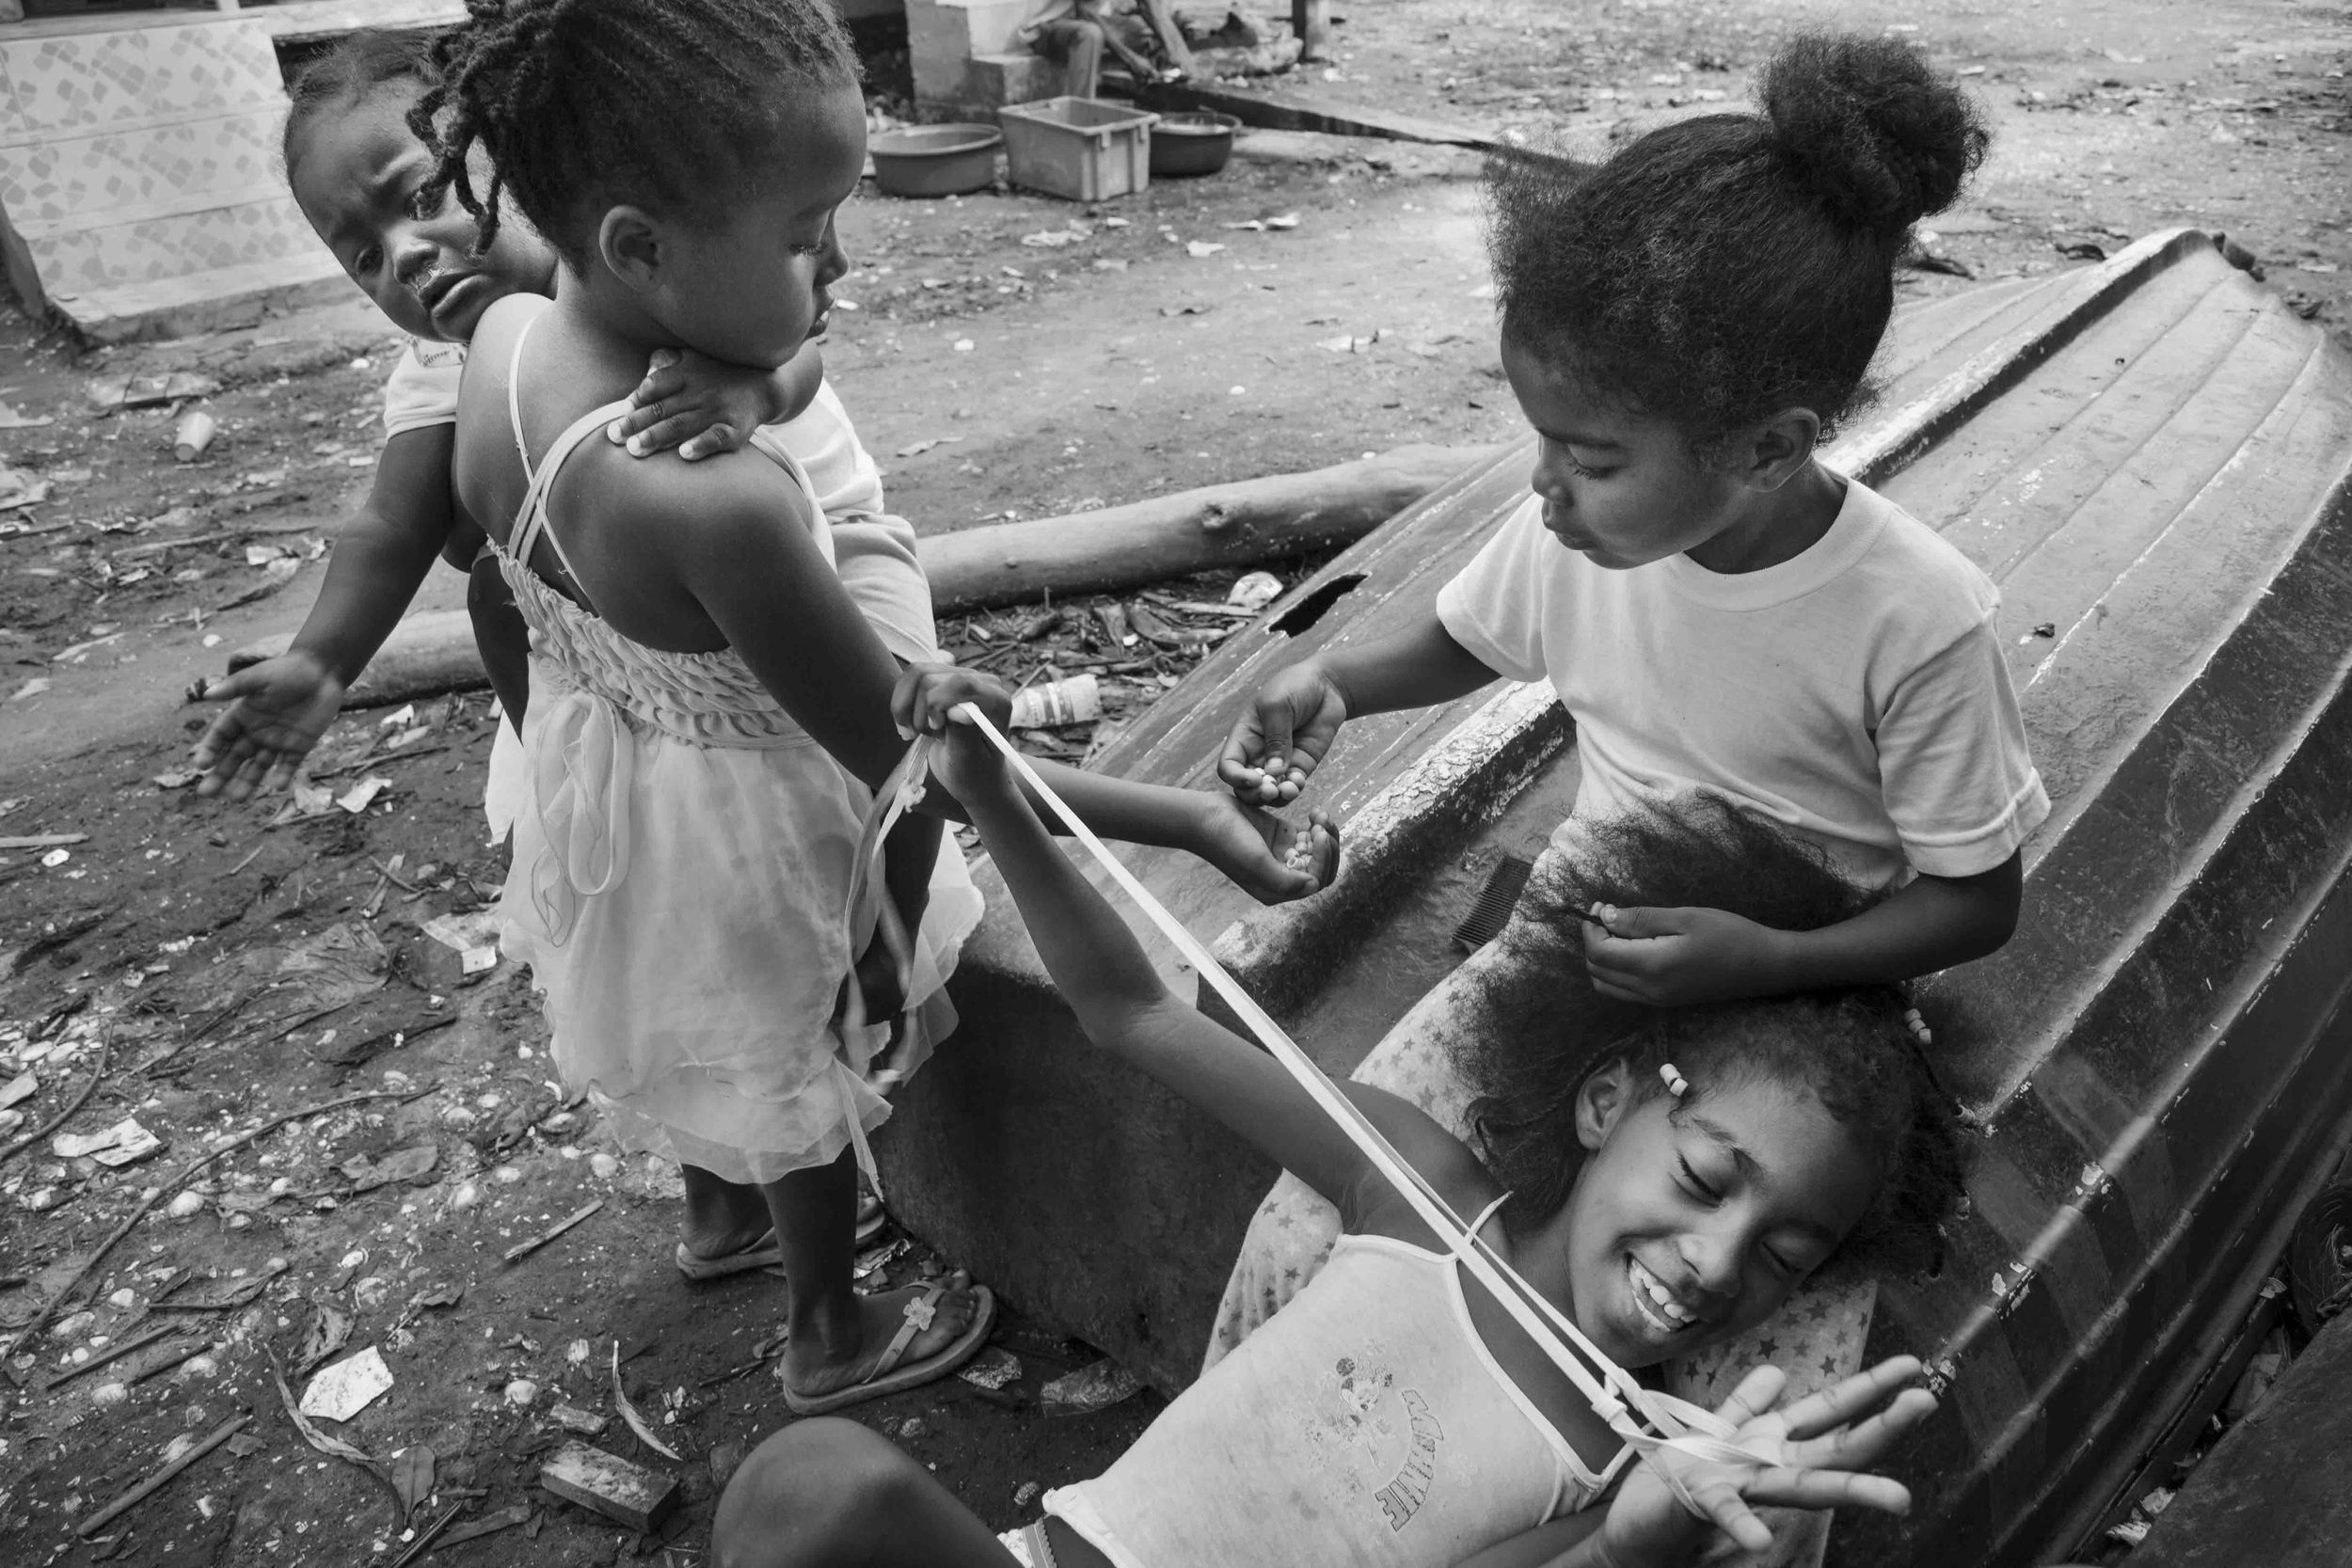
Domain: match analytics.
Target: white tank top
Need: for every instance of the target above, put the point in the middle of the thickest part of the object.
(1366, 1426)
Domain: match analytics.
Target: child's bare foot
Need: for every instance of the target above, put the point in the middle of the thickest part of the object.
(817, 1365)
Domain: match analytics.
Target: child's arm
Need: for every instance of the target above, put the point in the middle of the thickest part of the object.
(1112, 987)
(1293, 720)
(279, 708)
(1670, 956)
(703, 406)
(757, 577)
(1822, 1443)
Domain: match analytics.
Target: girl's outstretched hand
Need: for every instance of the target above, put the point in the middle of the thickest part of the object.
(700, 405)
(923, 703)
(1673, 958)
(1265, 857)
(1289, 727)
(277, 711)
(1823, 1442)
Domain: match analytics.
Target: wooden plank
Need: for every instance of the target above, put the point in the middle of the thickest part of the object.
(610, 1485)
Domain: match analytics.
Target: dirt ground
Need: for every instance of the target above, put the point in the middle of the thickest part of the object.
(193, 952)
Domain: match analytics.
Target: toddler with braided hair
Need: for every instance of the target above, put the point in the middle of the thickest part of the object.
(715, 727)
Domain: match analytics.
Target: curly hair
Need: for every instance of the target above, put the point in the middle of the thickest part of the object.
(357, 64)
(1540, 1029)
(1723, 268)
(584, 104)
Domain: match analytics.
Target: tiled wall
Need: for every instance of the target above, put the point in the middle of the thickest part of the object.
(146, 154)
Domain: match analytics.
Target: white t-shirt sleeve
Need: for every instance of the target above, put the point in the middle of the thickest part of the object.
(423, 389)
(1954, 769)
(1495, 606)
(876, 559)
(823, 441)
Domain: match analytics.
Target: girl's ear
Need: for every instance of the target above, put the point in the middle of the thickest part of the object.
(1777, 450)
(630, 244)
(1602, 1100)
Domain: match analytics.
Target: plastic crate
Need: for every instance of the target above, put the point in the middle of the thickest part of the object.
(1080, 148)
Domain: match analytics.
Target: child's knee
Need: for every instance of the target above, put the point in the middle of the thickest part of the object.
(805, 1493)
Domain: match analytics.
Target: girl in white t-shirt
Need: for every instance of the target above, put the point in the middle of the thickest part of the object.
(1718, 610)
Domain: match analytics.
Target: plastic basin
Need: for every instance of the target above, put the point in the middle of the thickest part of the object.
(1078, 149)
(1192, 144)
(936, 160)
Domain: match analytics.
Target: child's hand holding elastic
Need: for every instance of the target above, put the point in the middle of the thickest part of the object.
(1822, 1442)
(1289, 727)
(1675, 956)
(923, 703)
(277, 709)
(698, 405)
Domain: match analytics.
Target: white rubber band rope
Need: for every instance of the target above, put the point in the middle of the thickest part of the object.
(1670, 1433)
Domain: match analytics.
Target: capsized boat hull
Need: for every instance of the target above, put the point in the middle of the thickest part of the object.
(2154, 459)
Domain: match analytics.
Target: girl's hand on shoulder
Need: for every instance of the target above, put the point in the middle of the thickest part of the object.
(277, 711)
(1820, 1447)
(700, 405)
(925, 702)
(1272, 861)
(1672, 958)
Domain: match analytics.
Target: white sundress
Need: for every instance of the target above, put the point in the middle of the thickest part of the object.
(684, 861)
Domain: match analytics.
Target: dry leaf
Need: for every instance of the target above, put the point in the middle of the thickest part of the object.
(629, 1412)
(330, 1331)
(412, 1475)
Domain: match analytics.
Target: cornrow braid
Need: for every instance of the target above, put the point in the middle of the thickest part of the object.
(585, 105)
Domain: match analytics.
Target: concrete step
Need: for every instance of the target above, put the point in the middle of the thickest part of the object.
(214, 300)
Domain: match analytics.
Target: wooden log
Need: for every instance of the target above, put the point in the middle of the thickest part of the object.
(1117, 547)
(1221, 525)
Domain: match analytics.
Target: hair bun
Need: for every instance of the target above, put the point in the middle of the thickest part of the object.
(1869, 129)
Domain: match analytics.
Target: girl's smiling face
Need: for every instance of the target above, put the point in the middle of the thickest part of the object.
(1619, 489)
(1694, 1218)
(357, 175)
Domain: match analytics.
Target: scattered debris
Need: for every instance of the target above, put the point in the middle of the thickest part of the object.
(489, 1524)
(412, 1475)
(1077, 700)
(1201, 249)
(524, 1249)
(628, 1412)
(610, 1485)
(1255, 590)
(571, 1417)
(406, 1165)
(334, 1448)
(117, 1145)
(155, 1482)
(328, 1333)
(1089, 1389)
(992, 1369)
(348, 1387)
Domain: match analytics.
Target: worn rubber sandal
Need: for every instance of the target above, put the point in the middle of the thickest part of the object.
(892, 1373)
(765, 1253)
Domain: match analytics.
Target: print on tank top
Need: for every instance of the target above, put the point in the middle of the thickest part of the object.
(1372, 1429)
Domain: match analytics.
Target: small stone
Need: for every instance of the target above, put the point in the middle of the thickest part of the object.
(577, 1352)
(913, 1428)
(465, 1195)
(604, 1168)
(1025, 1493)
(109, 1394)
(200, 1366)
(186, 1206)
(507, 1174)
(72, 1326)
(123, 1299)
(522, 1392)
